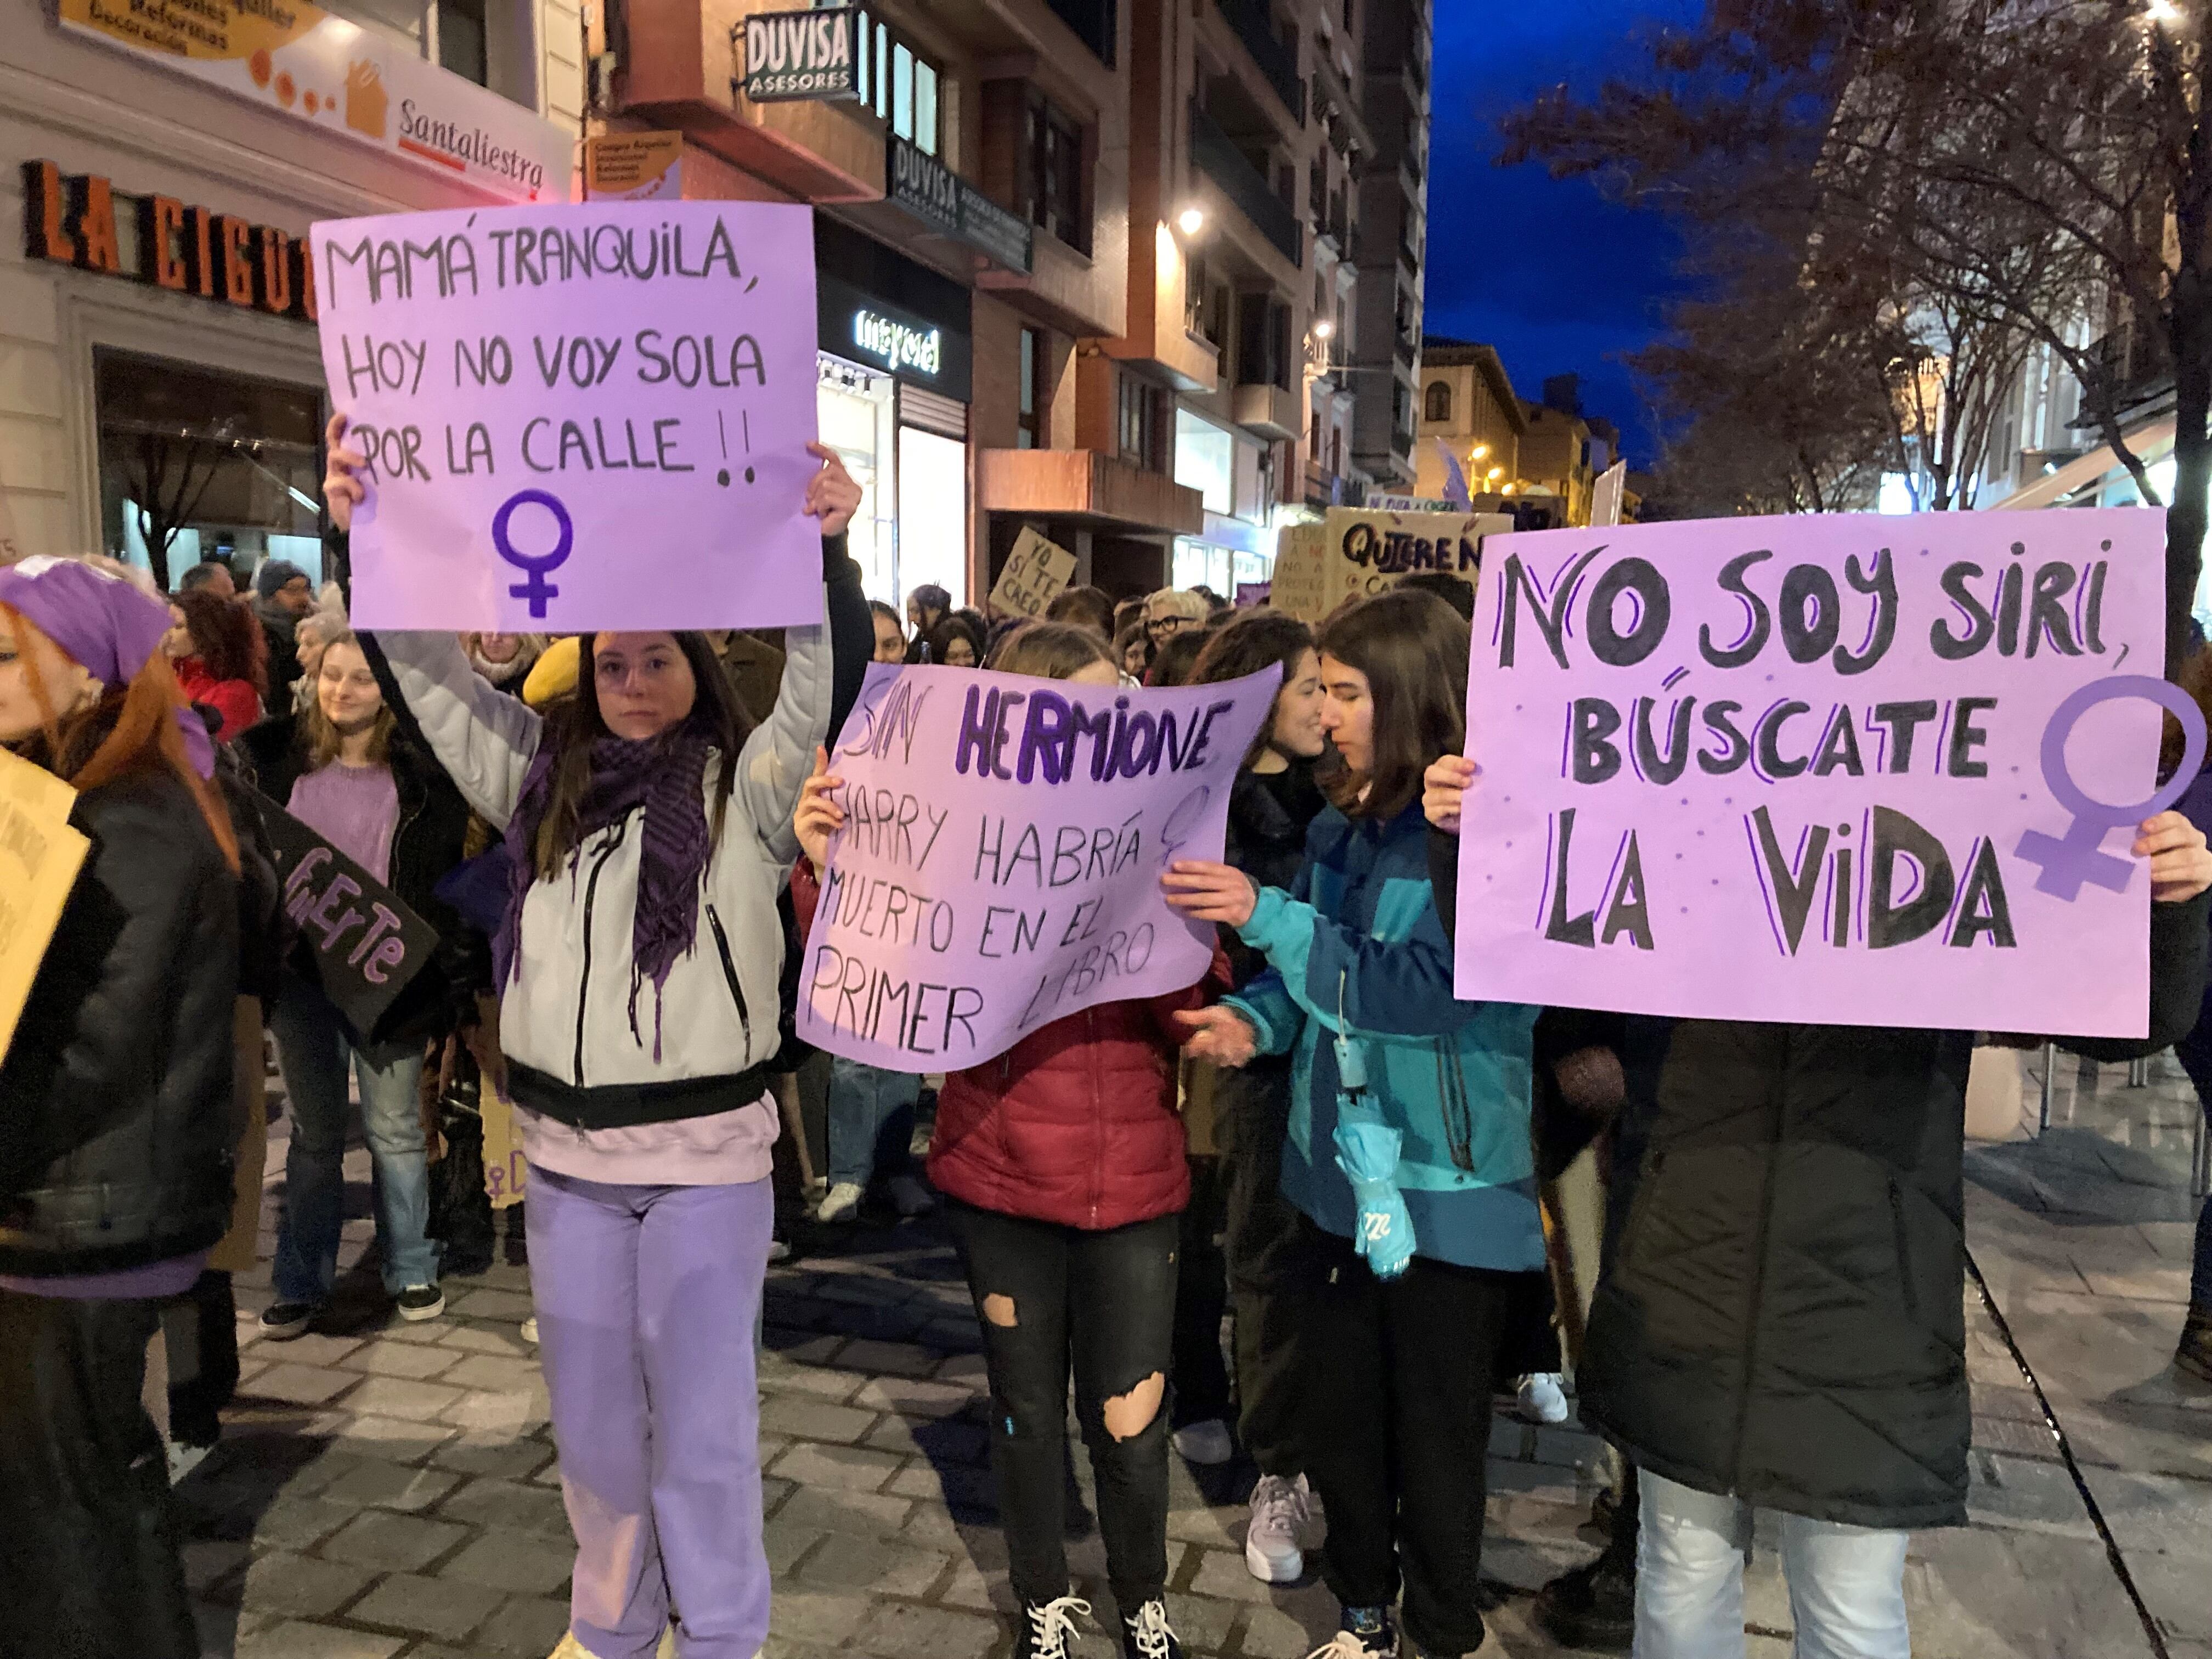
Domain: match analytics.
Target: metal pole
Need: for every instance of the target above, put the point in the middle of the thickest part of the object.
(2138, 1074)
(2050, 1065)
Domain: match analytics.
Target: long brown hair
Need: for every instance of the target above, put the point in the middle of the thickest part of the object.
(126, 730)
(226, 637)
(1413, 647)
(574, 724)
(1248, 642)
(321, 738)
(1049, 650)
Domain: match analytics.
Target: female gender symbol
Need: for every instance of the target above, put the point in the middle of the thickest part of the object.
(2070, 859)
(537, 589)
(1183, 821)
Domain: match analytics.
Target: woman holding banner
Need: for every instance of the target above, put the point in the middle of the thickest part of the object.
(650, 832)
(1062, 1163)
(1408, 1152)
(116, 1111)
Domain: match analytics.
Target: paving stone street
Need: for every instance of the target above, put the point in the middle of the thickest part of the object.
(393, 1492)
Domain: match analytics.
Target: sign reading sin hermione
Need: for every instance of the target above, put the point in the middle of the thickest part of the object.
(296, 61)
(800, 54)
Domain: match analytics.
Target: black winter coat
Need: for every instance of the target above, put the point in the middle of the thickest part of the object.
(116, 1133)
(1780, 1316)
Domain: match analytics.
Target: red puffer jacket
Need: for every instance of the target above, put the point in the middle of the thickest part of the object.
(1076, 1123)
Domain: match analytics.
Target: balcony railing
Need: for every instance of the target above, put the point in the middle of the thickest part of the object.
(1278, 62)
(1219, 158)
(1093, 21)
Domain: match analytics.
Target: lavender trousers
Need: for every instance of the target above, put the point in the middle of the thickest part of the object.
(647, 1298)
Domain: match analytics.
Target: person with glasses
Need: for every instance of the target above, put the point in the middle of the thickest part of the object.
(1170, 611)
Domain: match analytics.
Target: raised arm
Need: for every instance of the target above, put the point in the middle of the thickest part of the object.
(484, 738)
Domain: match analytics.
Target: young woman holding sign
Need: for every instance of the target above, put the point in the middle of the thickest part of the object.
(1408, 1139)
(638, 980)
(1062, 1163)
(343, 769)
(116, 1124)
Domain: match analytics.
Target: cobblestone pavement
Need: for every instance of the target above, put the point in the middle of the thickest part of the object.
(392, 1492)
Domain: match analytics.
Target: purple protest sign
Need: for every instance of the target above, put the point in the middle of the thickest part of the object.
(1847, 770)
(577, 416)
(1000, 862)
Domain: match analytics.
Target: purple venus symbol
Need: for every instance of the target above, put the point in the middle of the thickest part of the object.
(2074, 858)
(537, 589)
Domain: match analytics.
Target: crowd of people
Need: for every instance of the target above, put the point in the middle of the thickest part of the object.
(618, 838)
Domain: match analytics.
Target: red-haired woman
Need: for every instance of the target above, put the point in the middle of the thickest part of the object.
(220, 657)
(116, 1125)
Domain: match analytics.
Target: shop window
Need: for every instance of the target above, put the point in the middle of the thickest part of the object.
(1055, 180)
(932, 511)
(1030, 434)
(1440, 407)
(196, 463)
(898, 83)
(1140, 424)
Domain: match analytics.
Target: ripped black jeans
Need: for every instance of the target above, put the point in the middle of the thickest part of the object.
(1105, 1303)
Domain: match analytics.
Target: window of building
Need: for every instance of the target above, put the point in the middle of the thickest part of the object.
(1263, 345)
(1206, 460)
(452, 33)
(1053, 177)
(897, 83)
(461, 43)
(1140, 424)
(1439, 409)
(1030, 434)
(1336, 450)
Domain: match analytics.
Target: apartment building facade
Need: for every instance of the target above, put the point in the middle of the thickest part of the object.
(1392, 245)
(161, 395)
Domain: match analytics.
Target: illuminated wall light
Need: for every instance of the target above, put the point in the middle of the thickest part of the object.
(1191, 221)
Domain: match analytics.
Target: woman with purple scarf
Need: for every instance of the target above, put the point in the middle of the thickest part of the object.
(116, 1120)
(638, 975)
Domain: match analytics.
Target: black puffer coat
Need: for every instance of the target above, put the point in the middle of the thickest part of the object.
(115, 1098)
(1780, 1317)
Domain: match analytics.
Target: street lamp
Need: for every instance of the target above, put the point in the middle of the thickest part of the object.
(1324, 330)
(1479, 452)
(1191, 220)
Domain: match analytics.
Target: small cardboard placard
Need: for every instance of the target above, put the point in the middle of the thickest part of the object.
(1036, 572)
(41, 854)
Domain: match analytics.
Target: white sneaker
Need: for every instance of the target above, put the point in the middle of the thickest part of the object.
(530, 1330)
(1206, 1444)
(910, 1197)
(842, 1203)
(1052, 1627)
(1542, 1398)
(1275, 1538)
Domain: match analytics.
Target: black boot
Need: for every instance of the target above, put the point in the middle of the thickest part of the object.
(2194, 1357)
(1046, 1630)
(1146, 1635)
(1593, 1606)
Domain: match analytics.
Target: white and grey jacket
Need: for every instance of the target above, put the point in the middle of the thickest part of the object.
(564, 1015)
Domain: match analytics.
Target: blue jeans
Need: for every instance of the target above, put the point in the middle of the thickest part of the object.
(871, 1120)
(312, 1051)
(1847, 1583)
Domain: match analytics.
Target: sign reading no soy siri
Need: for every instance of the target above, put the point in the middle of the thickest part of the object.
(581, 416)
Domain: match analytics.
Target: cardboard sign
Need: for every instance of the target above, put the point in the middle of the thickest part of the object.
(41, 854)
(1036, 572)
(578, 417)
(507, 1171)
(1000, 862)
(634, 167)
(357, 941)
(1839, 770)
(1606, 498)
(1357, 551)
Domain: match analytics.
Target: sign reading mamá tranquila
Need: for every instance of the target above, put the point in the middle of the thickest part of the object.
(1833, 769)
(296, 60)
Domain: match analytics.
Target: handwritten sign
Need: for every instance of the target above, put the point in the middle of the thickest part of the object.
(41, 854)
(578, 417)
(357, 941)
(1838, 769)
(507, 1171)
(1356, 551)
(1000, 860)
(1036, 572)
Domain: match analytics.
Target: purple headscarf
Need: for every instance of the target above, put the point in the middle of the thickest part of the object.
(109, 628)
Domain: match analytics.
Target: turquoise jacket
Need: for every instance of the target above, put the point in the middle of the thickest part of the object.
(1358, 929)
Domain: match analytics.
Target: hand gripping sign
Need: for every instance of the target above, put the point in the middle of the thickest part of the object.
(1833, 769)
(999, 866)
(618, 391)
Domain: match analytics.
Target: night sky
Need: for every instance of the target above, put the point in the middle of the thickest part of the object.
(1556, 277)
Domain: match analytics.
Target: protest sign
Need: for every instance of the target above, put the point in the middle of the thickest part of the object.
(999, 866)
(1355, 552)
(1036, 572)
(41, 854)
(1844, 769)
(578, 417)
(357, 941)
